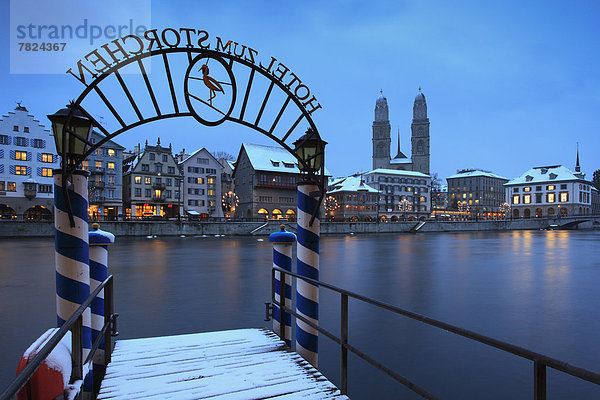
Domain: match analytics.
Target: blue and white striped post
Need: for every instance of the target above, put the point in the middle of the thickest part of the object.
(307, 294)
(72, 256)
(99, 241)
(282, 258)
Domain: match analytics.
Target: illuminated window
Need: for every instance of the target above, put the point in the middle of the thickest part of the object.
(464, 195)
(98, 164)
(516, 199)
(111, 179)
(137, 179)
(111, 165)
(564, 197)
(85, 165)
(20, 170)
(210, 192)
(527, 198)
(157, 192)
(550, 187)
(550, 198)
(21, 155)
(527, 189)
(47, 157)
(98, 152)
(111, 152)
(210, 180)
(46, 171)
(11, 186)
(147, 180)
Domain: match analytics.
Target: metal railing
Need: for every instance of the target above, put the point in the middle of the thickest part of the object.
(540, 361)
(75, 325)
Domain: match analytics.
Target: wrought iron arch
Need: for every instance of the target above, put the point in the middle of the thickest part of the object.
(180, 110)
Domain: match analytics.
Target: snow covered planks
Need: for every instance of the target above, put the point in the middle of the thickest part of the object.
(238, 364)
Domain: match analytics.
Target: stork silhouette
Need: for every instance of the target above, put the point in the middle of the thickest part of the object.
(211, 83)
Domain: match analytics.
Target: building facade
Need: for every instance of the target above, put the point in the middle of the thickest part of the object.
(202, 175)
(480, 193)
(265, 180)
(550, 191)
(105, 184)
(402, 194)
(420, 138)
(27, 159)
(350, 199)
(152, 184)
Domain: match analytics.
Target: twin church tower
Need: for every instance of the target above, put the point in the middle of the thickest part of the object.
(419, 160)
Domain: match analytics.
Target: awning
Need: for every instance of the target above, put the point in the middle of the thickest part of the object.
(192, 212)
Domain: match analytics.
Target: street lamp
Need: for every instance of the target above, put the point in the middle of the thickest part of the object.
(71, 136)
(311, 149)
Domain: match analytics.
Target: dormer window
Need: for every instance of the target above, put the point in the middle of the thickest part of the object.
(544, 171)
(529, 178)
(275, 163)
(26, 129)
(15, 128)
(288, 165)
(553, 176)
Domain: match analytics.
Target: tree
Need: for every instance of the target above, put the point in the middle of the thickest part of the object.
(436, 183)
(596, 179)
(219, 154)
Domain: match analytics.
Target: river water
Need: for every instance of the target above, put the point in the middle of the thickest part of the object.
(536, 289)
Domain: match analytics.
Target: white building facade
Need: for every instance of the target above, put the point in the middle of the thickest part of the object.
(549, 192)
(403, 194)
(27, 158)
(202, 175)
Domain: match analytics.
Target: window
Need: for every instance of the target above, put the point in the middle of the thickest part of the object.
(85, 165)
(168, 193)
(527, 199)
(145, 167)
(45, 188)
(98, 152)
(169, 181)
(47, 158)
(3, 139)
(147, 180)
(210, 180)
(39, 143)
(538, 197)
(171, 170)
(98, 164)
(111, 152)
(202, 160)
(515, 199)
(527, 189)
(111, 179)
(275, 163)
(46, 171)
(21, 141)
(21, 155)
(211, 171)
(550, 197)
(164, 158)
(210, 192)
(137, 179)
(288, 165)
(158, 180)
(152, 156)
(538, 188)
(516, 190)
(26, 129)
(550, 187)
(158, 168)
(11, 186)
(138, 192)
(564, 196)
(2, 186)
(563, 186)
(16, 128)
(20, 170)
(111, 193)
(147, 193)
(111, 165)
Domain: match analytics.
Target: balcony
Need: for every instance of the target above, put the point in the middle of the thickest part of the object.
(94, 184)
(30, 194)
(97, 199)
(97, 170)
(158, 199)
(158, 186)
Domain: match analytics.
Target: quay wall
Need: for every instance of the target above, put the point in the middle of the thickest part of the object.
(16, 229)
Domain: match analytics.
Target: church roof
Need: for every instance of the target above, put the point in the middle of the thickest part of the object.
(420, 96)
(467, 174)
(385, 171)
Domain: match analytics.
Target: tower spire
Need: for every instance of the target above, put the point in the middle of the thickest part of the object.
(398, 140)
(577, 167)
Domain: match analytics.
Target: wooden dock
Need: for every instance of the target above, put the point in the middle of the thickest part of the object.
(238, 364)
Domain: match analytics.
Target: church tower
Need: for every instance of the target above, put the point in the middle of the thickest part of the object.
(420, 135)
(381, 134)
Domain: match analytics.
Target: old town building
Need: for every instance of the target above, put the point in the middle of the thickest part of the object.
(202, 175)
(350, 199)
(478, 192)
(105, 184)
(152, 183)
(403, 194)
(265, 180)
(27, 158)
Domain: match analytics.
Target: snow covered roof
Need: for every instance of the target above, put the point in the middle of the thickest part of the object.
(468, 174)
(273, 159)
(385, 171)
(553, 173)
(400, 160)
(196, 152)
(351, 184)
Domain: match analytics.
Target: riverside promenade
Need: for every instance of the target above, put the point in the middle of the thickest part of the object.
(13, 229)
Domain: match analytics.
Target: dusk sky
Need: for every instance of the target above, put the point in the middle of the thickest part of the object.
(509, 85)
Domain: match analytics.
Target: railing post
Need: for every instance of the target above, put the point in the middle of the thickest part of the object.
(99, 241)
(72, 256)
(344, 340)
(539, 384)
(282, 258)
(307, 294)
(77, 350)
(108, 316)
